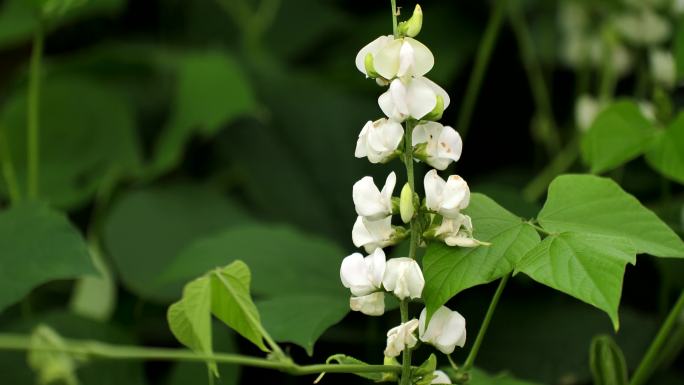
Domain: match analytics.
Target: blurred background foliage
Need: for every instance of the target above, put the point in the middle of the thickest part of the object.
(180, 135)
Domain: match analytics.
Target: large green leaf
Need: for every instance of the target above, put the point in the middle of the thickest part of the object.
(666, 155)
(480, 377)
(595, 205)
(212, 90)
(38, 245)
(190, 318)
(450, 270)
(296, 274)
(146, 229)
(87, 137)
(231, 302)
(589, 267)
(301, 318)
(620, 133)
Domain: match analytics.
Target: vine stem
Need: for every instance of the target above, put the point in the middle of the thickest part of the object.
(123, 352)
(395, 32)
(406, 355)
(33, 110)
(650, 361)
(484, 53)
(470, 360)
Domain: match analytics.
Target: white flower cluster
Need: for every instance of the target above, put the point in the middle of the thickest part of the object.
(400, 63)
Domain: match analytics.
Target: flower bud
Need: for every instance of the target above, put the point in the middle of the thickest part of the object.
(586, 111)
(412, 26)
(446, 330)
(406, 208)
(404, 278)
(372, 304)
(401, 337)
(663, 68)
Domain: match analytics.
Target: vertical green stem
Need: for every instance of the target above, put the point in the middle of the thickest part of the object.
(406, 354)
(408, 161)
(470, 360)
(535, 76)
(649, 363)
(8, 169)
(394, 18)
(33, 111)
(484, 53)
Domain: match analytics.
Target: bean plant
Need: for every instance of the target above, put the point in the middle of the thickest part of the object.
(422, 237)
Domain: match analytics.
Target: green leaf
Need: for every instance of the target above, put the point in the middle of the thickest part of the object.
(348, 360)
(424, 374)
(293, 309)
(301, 318)
(232, 303)
(666, 154)
(589, 267)
(87, 138)
(212, 90)
(480, 377)
(607, 363)
(38, 245)
(146, 229)
(619, 134)
(595, 205)
(450, 270)
(190, 318)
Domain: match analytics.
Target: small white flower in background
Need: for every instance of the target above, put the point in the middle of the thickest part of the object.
(644, 27)
(390, 58)
(401, 337)
(586, 110)
(379, 140)
(363, 275)
(371, 304)
(370, 202)
(457, 232)
(647, 110)
(446, 330)
(372, 234)
(448, 197)
(620, 58)
(443, 144)
(412, 97)
(440, 378)
(678, 7)
(663, 68)
(404, 278)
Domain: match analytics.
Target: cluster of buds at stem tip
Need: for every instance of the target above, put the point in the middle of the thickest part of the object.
(409, 131)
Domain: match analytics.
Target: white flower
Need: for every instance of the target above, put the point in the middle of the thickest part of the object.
(412, 97)
(643, 27)
(447, 329)
(379, 140)
(458, 232)
(663, 68)
(443, 144)
(586, 111)
(370, 202)
(448, 197)
(372, 234)
(363, 275)
(371, 304)
(404, 278)
(401, 337)
(647, 110)
(440, 378)
(396, 57)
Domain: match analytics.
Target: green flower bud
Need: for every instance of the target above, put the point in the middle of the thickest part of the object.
(436, 113)
(370, 68)
(406, 208)
(412, 26)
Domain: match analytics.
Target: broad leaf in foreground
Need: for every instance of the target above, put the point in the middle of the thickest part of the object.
(38, 245)
(450, 270)
(666, 155)
(595, 205)
(586, 266)
(620, 133)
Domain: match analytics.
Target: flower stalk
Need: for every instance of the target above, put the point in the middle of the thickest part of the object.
(33, 115)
